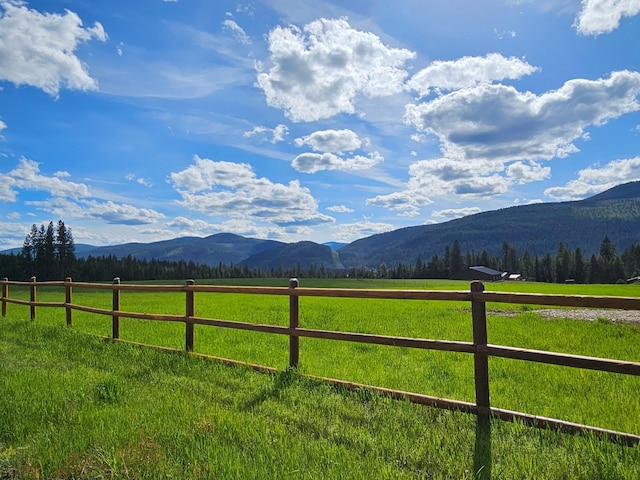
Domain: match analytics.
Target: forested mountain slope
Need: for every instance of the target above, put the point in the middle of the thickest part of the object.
(537, 228)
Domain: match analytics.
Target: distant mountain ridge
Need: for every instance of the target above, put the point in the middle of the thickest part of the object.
(537, 228)
(226, 248)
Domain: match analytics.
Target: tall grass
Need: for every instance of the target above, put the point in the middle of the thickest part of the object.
(606, 400)
(75, 406)
(600, 399)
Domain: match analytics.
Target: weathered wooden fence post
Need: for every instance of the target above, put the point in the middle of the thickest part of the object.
(294, 320)
(67, 299)
(5, 295)
(115, 306)
(480, 356)
(32, 297)
(190, 311)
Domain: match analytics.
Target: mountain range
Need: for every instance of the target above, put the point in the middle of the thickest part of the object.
(536, 228)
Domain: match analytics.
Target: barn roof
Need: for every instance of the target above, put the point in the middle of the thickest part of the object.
(486, 270)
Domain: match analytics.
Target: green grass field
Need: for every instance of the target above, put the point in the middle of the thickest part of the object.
(74, 406)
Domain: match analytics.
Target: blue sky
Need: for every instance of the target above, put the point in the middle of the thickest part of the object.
(323, 121)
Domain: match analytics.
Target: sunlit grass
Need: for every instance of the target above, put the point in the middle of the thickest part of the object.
(75, 406)
(600, 399)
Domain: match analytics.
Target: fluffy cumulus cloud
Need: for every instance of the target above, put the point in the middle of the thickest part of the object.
(493, 136)
(340, 209)
(603, 16)
(37, 49)
(526, 172)
(234, 190)
(444, 177)
(27, 176)
(594, 180)
(501, 123)
(318, 71)
(347, 232)
(408, 201)
(315, 162)
(68, 199)
(331, 141)
(468, 72)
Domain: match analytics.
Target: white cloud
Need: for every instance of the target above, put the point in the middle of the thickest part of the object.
(336, 141)
(111, 212)
(37, 49)
(59, 207)
(26, 176)
(504, 34)
(468, 72)
(527, 172)
(239, 34)
(141, 181)
(594, 180)
(501, 123)
(274, 135)
(603, 16)
(191, 225)
(318, 72)
(233, 190)
(315, 162)
(444, 177)
(13, 235)
(340, 209)
(407, 201)
(456, 212)
(348, 232)
(121, 213)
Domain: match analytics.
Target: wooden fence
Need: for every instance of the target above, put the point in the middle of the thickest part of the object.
(479, 348)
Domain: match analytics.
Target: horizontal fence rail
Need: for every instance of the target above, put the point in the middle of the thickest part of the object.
(479, 347)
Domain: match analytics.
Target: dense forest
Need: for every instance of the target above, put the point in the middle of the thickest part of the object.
(48, 253)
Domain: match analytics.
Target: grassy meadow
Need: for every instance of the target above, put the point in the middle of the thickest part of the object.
(74, 406)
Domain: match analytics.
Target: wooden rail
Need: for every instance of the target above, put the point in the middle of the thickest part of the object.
(479, 348)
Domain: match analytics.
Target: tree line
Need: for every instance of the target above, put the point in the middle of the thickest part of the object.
(566, 266)
(48, 253)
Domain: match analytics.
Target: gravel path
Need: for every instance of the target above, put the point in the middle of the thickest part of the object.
(588, 315)
(591, 315)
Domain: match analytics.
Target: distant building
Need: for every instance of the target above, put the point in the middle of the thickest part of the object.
(479, 273)
(515, 277)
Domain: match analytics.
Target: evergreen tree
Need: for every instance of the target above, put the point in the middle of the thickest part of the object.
(580, 268)
(65, 250)
(607, 250)
(456, 263)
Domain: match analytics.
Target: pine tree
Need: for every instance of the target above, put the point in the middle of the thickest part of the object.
(65, 250)
(456, 261)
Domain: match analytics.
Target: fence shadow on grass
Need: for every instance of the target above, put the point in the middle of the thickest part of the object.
(281, 381)
(482, 449)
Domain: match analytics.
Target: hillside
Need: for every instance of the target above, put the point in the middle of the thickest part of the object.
(290, 256)
(222, 247)
(537, 228)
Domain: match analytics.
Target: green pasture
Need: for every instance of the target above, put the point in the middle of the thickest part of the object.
(73, 406)
(600, 399)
